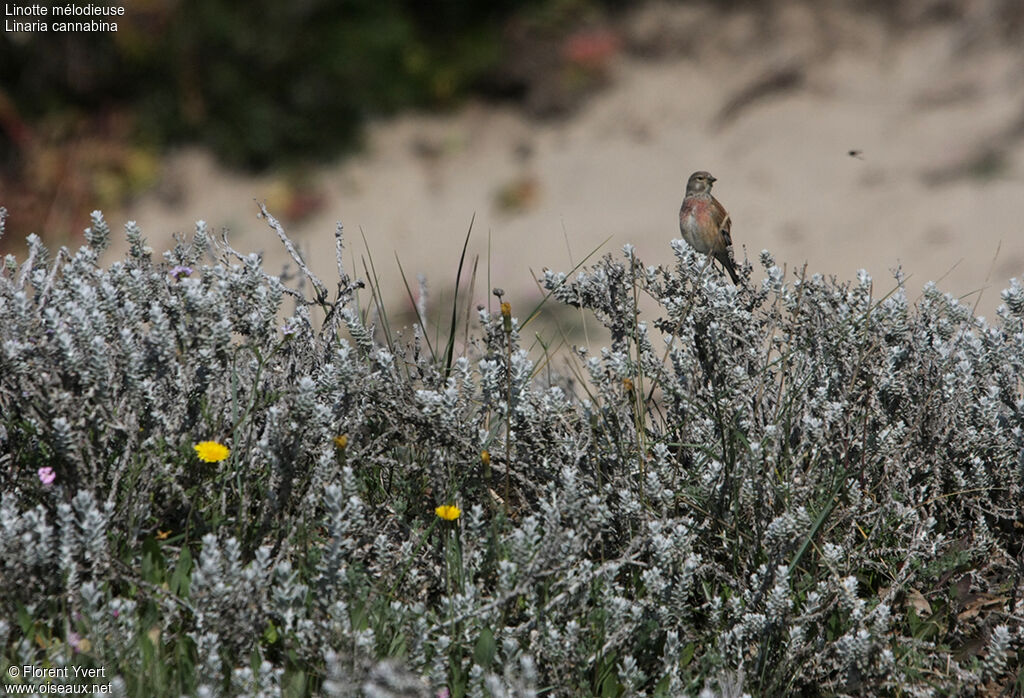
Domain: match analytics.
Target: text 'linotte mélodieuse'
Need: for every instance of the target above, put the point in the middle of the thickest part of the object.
(88, 18)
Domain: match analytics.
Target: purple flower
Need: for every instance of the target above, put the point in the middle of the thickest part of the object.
(79, 643)
(180, 270)
(47, 476)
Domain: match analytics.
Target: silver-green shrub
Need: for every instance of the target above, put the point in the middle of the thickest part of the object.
(796, 486)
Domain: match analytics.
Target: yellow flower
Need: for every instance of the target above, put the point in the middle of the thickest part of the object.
(506, 317)
(448, 512)
(162, 535)
(485, 457)
(627, 383)
(211, 451)
(341, 441)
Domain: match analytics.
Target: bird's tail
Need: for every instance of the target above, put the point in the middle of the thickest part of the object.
(729, 264)
(731, 268)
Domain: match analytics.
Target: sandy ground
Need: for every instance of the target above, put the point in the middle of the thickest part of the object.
(936, 183)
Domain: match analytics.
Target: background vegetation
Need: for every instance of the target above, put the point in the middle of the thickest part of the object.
(85, 118)
(264, 82)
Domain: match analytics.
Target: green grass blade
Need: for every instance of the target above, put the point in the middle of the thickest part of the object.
(450, 349)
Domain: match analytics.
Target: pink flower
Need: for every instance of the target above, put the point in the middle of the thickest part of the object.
(47, 476)
(79, 643)
(591, 49)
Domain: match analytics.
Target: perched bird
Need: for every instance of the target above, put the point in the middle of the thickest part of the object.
(705, 224)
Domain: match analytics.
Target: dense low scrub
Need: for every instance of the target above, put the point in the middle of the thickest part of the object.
(788, 486)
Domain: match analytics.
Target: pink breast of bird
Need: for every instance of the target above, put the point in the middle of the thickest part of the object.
(698, 210)
(700, 207)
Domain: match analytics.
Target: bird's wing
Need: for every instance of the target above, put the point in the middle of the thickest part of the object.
(723, 221)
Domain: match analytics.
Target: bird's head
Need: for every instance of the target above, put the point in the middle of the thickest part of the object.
(699, 182)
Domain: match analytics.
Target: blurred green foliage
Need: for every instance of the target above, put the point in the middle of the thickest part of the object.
(263, 81)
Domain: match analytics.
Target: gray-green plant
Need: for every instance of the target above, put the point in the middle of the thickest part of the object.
(789, 486)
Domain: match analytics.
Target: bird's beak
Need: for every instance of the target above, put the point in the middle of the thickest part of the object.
(712, 180)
